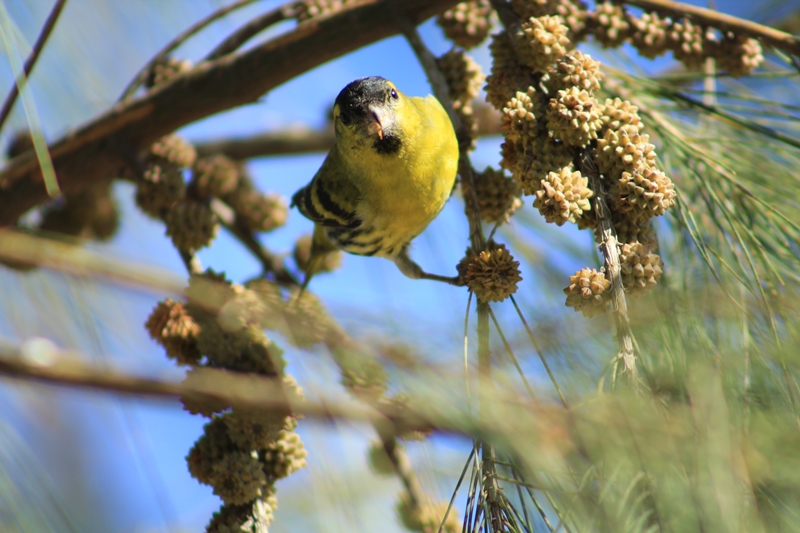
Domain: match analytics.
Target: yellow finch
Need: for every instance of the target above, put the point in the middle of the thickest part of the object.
(388, 175)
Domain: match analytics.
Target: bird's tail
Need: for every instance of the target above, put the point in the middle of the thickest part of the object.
(321, 246)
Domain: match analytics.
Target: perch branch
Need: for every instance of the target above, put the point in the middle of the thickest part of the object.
(98, 148)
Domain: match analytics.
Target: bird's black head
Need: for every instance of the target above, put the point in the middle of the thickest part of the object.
(368, 106)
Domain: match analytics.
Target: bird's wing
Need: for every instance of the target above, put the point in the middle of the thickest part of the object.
(331, 198)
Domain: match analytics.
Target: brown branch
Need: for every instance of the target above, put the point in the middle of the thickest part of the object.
(142, 75)
(723, 22)
(251, 29)
(47, 29)
(75, 260)
(305, 140)
(99, 148)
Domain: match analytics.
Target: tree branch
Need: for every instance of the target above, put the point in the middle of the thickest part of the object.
(300, 140)
(99, 148)
(721, 21)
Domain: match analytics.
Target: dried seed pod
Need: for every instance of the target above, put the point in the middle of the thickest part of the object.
(575, 69)
(588, 292)
(621, 115)
(650, 35)
(171, 325)
(563, 197)
(427, 516)
(215, 175)
(623, 151)
(493, 275)
(463, 76)
(542, 42)
(520, 115)
(738, 55)
(212, 445)
(284, 455)
(162, 186)
(309, 9)
(633, 231)
(538, 158)
(508, 74)
(238, 477)
(175, 149)
(191, 225)
(251, 517)
(572, 13)
(574, 116)
(165, 70)
(646, 192)
(260, 212)
(611, 25)
(497, 195)
(686, 40)
(468, 23)
(641, 270)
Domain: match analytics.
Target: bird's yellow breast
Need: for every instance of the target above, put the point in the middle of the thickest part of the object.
(402, 192)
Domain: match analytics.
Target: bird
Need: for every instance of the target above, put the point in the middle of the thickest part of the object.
(389, 173)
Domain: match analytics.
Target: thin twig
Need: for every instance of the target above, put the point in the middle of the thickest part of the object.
(511, 354)
(47, 29)
(721, 21)
(610, 251)
(142, 75)
(251, 29)
(270, 263)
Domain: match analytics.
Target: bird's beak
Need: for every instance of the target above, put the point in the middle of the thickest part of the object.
(379, 121)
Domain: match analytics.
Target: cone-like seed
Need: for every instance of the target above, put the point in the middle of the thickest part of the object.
(686, 41)
(463, 76)
(738, 55)
(611, 24)
(285, 455)
(316, 8)
(621, 115)
(497, 195)
(174, 149)
(162, 186)
(640, 269)
(493, 275)
(508, 74)
(574, 116)
(563, 197)
(260, 212)
(426, 517)
(588, 292)
(166, 69)
(542, 42)
(191, 225)
(216, 175)
(467, 24)
(251, 517)
(650, 35)
(645, 193)
(173, 328)
(238, 477)
(623, 151)
(573, 13)
(575, 69)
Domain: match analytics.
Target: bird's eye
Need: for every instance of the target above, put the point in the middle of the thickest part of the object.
(394, 94)
(345, 118)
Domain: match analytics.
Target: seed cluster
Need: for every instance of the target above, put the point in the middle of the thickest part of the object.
(467, 24)
(242, 451)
